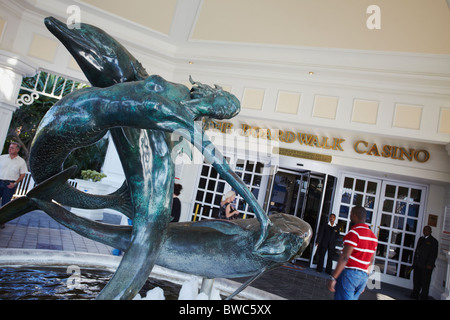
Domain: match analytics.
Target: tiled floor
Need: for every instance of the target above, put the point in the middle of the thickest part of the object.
(36, 230)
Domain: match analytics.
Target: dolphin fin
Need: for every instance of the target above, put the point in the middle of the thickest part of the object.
(48, 188)
(44, 190)
(223, 226)
(246, 284)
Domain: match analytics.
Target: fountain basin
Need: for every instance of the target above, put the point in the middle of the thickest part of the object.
(88, 261)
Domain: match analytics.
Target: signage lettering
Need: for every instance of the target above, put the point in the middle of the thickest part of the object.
(393, 152)
(312, 140)
(290, 137)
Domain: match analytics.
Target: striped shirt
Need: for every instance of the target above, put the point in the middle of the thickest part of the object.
(364, 244)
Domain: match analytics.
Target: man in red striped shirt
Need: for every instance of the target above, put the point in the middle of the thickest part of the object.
(352, 271)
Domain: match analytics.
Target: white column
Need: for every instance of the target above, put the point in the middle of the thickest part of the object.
(12, 70)
(112, 167)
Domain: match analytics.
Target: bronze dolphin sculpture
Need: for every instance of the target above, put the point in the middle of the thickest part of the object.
(105, 62)
(208, 248)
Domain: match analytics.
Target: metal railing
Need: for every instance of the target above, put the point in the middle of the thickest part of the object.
(28, 183)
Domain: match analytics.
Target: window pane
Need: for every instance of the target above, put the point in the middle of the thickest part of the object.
(346, 196)
(370, 202)
(390, 191)
(398, 223)
(199, 196)
(380, 264)
(386, 220)
(360, 185)
(407, 255)
(348, 183)
(209, 198)
(343, 212)
(213, 173)
(411, 225)
(257, 180)
(413, 210)
(388, 205)
(402, 193)
(240, 165)
(383, 235)
(400, 207)
(371, 187)
(212, 185)
(369, 216)
(405, 271)
(409, 240)
(416, 195)
(357, 199)
(396, 237)
(250, 165)
(392, 268)
(205, 170)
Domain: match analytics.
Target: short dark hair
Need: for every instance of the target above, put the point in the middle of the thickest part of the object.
(360, 213)
(177, 189)
(16, 143)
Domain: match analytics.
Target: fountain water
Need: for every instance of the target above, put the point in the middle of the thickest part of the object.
(47, 270)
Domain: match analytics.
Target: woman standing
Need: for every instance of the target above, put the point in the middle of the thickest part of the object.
(227, 209)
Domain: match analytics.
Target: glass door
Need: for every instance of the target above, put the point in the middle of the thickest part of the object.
(357, 191)
(289, 191)
(394, 213)
(399, 228)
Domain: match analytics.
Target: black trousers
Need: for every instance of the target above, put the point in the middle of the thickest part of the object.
(421, 279)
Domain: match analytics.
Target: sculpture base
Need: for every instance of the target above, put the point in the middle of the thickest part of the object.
(64, 259)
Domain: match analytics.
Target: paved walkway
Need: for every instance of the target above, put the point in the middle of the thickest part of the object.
(36, 230)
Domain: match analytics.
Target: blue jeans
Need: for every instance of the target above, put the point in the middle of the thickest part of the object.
(6, 193)
(350, 284)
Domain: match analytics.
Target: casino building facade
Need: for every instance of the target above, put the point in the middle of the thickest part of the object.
(351, 107)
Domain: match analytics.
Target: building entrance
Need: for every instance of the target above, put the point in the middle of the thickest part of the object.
(303, 194)
(394, 213)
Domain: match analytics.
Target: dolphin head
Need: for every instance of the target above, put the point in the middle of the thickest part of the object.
(103, 60)
(224, 105)
(288, 237)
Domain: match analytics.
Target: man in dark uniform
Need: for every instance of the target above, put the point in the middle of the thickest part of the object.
(423, 264)
(326, 241)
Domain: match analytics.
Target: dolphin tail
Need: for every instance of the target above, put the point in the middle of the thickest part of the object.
(15, 209)
(125, 207)
(44, 190)
(115, 236)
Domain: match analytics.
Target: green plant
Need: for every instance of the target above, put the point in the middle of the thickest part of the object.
(92, 175)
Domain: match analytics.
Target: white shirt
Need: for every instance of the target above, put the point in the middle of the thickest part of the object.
(11, 169)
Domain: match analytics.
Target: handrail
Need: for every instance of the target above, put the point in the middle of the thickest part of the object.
(28, 183)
